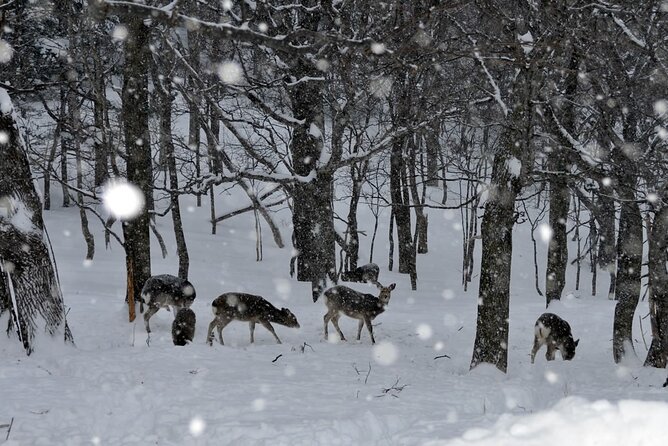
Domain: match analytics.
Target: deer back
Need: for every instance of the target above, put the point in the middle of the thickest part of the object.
(557, 331)
(165, 289)
(250, 307)
(353, 303)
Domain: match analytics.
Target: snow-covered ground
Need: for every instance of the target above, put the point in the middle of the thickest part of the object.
(114, 388)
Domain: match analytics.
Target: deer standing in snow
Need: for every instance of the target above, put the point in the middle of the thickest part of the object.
(361, 306)
(163, 291)
(553, 331)
(250, 308)
(365, 273)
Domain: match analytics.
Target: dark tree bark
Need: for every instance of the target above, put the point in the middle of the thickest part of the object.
(29, 287)
(658, 290)
(491, 341)
(312, 218)
(165, 97)
(134, 115)
(629, 264)
(400, 205)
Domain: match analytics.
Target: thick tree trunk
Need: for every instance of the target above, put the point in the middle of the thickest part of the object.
(134, 114)
(491, 341)
(629, 264)
(401, 209)
(29, 287)
(658, 290)
(313, 217)
(557, 253)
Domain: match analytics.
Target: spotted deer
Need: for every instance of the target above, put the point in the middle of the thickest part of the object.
(553, 331)
(164, 291)
(361, 306)
(366, 273)
(249, 308)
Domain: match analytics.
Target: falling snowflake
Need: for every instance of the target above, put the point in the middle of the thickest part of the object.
(6, 51)
(259, 404)
(230, 72)
(378, 48)
(424, 331)
(546, 232)
(263, 27)
(551, 377)
(122, 199)
(119, 33)
(4, 137)
(196, 426)
(661, 107)
(385, 353)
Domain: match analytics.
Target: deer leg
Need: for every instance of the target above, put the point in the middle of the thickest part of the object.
(369, 327)
(222, 323)
(335, 322)
(152, 309)
(327, 318)
(267, 325)
(359, 329)
(551, 350)
(209, 333)
(251, 325)
(534, 350)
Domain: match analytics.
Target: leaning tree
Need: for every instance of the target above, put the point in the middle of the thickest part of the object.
(29, 287)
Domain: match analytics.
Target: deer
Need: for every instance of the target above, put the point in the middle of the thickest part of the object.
(553, 331)
(366, 273)
(163, 291)
(249, 308)
(356, 305)
(183, 327)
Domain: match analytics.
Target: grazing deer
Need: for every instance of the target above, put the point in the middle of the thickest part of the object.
(364, 307)
(247, 307)
(183, 327)
(552, 330)
(366, 273)
(164, 291)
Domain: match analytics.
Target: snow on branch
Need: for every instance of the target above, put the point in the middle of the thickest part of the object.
(637, 40)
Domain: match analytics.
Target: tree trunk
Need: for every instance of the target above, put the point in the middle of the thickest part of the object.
(658, 290)
(134, 115)
(313, 217)
(164, 93)
(29, 287)
(629, 264)
(491, 341)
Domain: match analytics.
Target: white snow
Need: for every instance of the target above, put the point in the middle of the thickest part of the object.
(113, 388)
(6, 106)
(122, 199)
(661, 107)
(378, 48)
(526, 40)
(545, 232)
(120, 32)
(514, 167)
(577, 421)
(230, 72)
(6, 51)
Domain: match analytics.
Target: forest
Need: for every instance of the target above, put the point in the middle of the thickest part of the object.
(344, 130)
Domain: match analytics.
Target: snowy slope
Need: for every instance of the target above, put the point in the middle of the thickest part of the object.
(114, 388)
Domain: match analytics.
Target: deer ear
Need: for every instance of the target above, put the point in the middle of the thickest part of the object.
(577, 342)
(392, 286)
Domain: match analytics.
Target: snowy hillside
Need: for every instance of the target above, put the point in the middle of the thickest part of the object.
(115, 388)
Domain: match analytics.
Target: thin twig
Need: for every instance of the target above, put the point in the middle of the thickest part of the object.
(442, 356)
(276, 358)
(11, 423)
